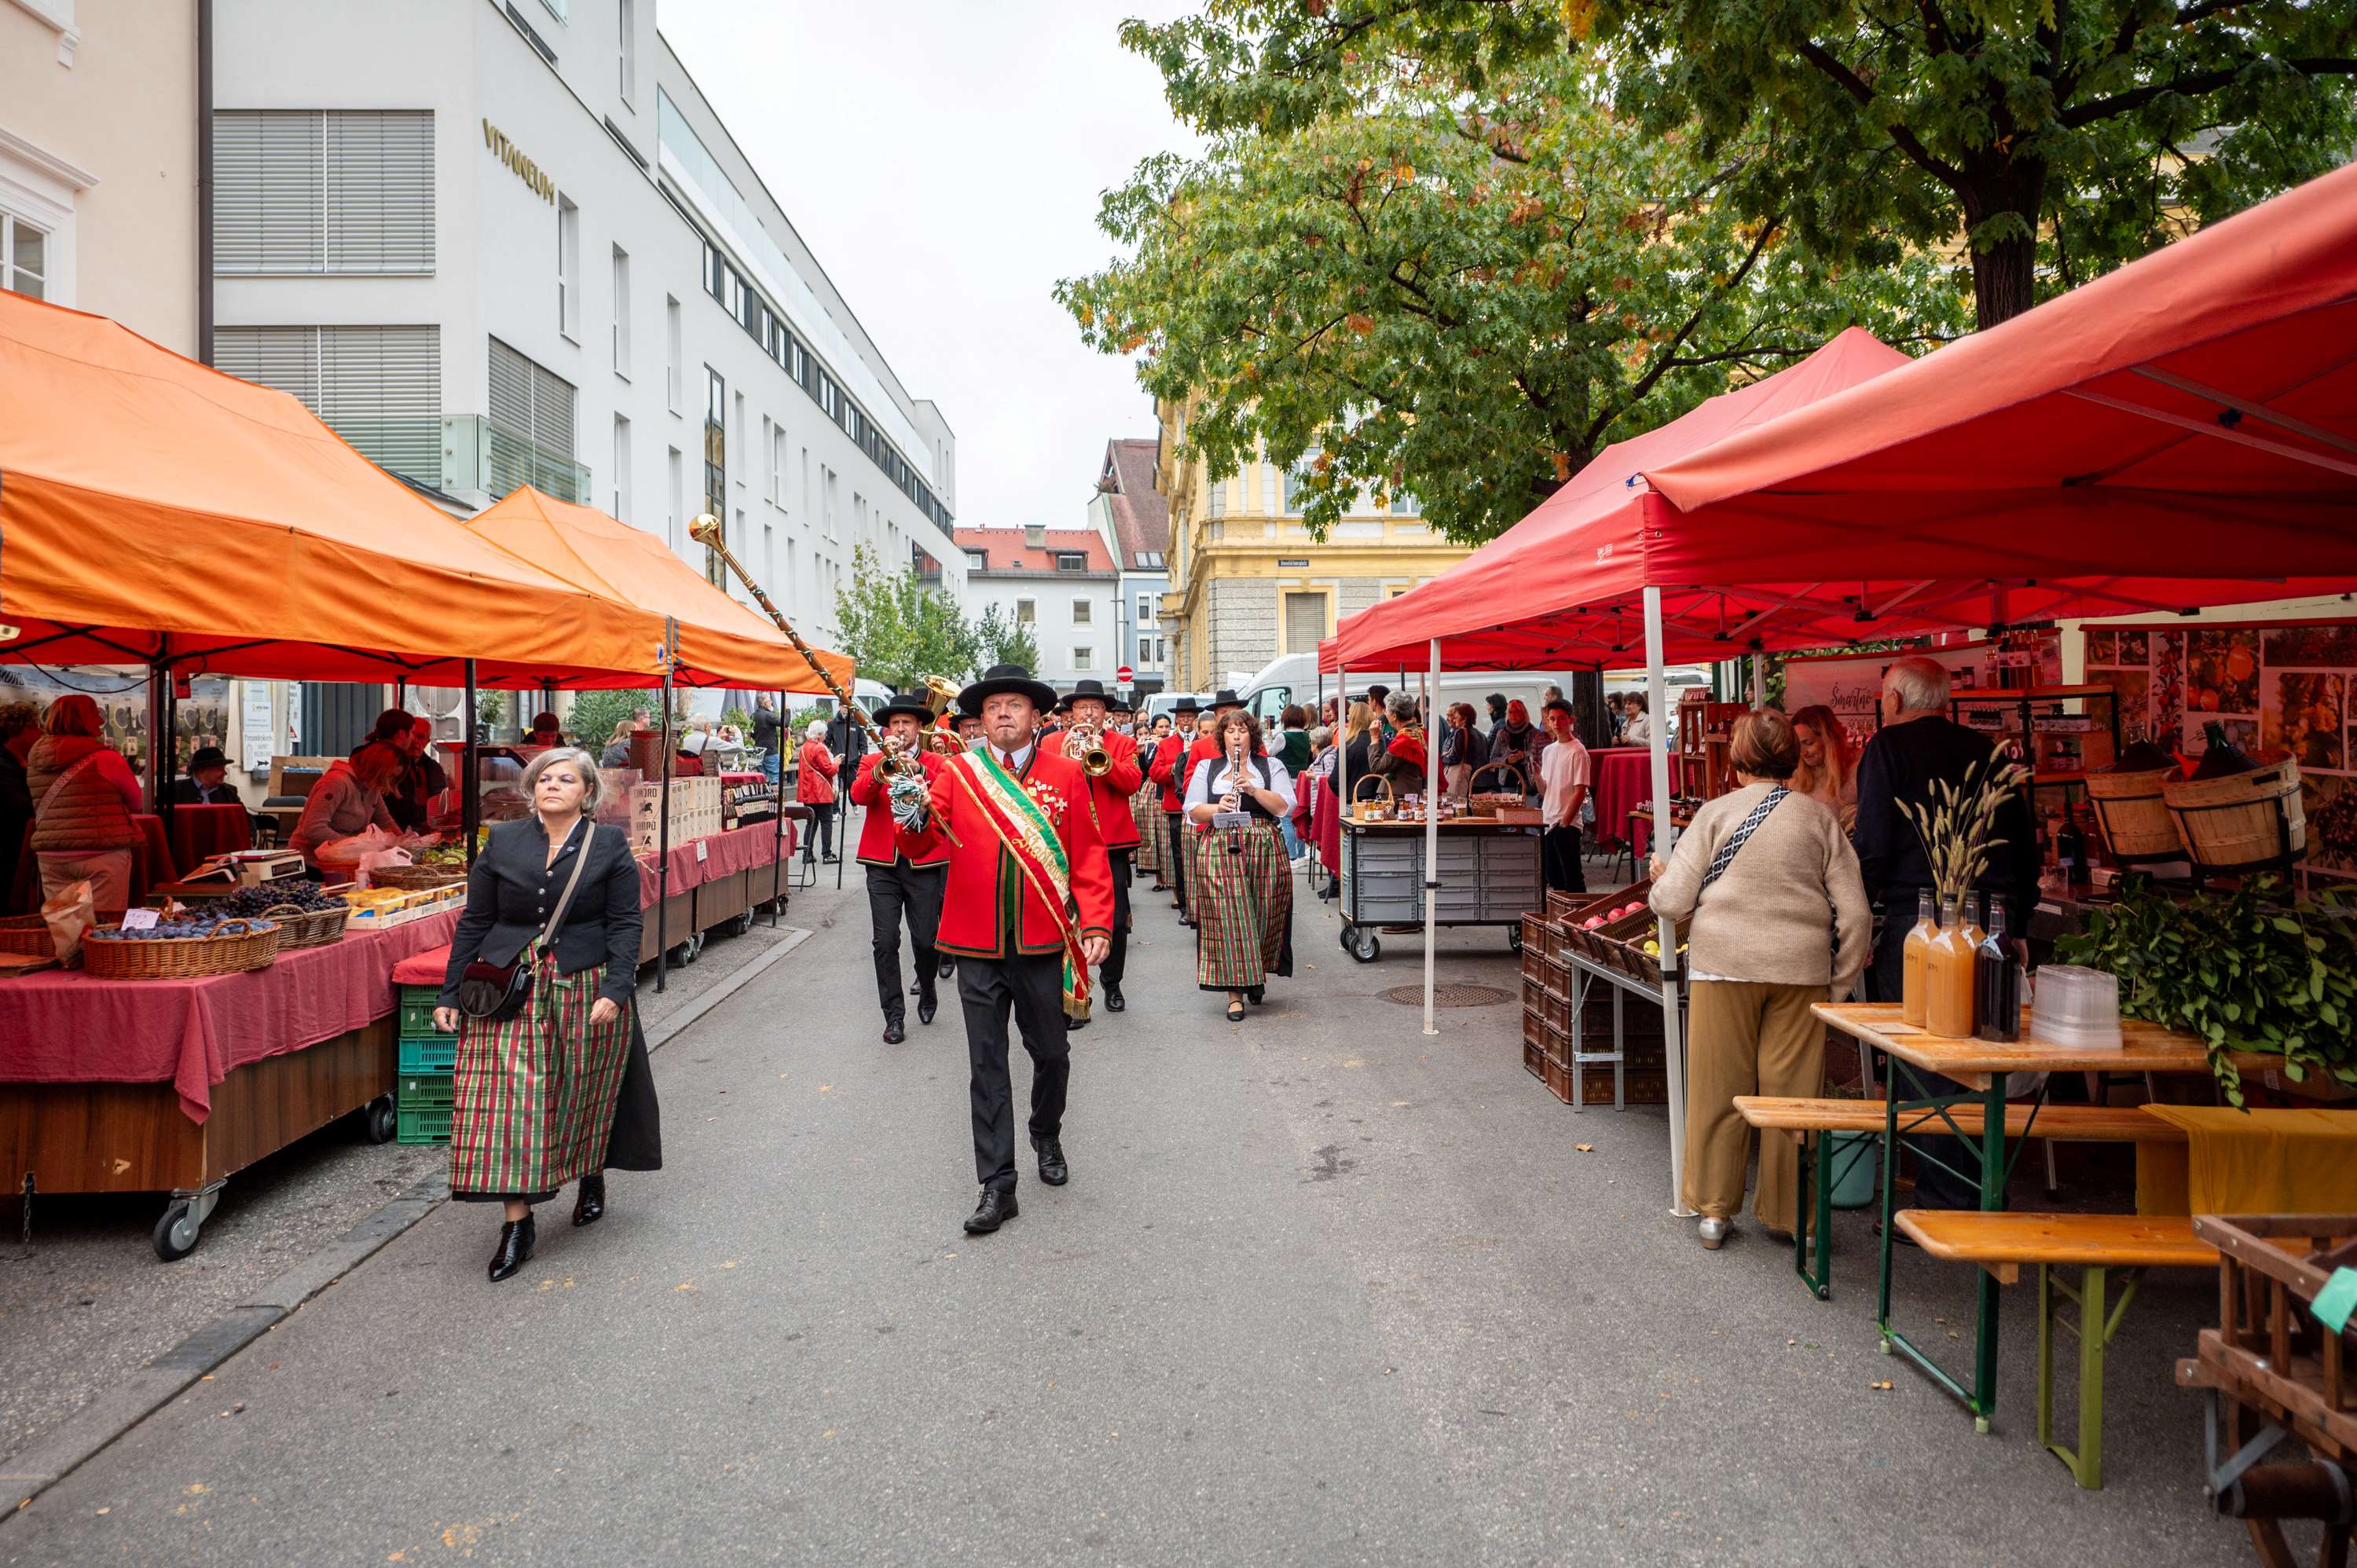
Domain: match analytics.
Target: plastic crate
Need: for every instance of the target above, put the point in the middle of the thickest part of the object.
(428, 1055)
(417, 1012)
(427, 1089)
(422, 1123)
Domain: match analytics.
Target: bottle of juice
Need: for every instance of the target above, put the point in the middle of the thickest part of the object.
(1915, 991)
(1972, 928)
(1949, 971)
(1997, 983)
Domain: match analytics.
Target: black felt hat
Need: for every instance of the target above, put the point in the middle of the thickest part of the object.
(1091, 688)
(1007, 678)
(205, 756)
(916, 704)
(1186, 705)
(1225, 697)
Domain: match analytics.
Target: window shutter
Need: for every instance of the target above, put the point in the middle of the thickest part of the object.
(507, 455)
(286, 358)
(267, 191)
(552, 434)
(380, 190)
(381, 391)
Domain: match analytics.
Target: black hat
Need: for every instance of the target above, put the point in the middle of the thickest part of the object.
(207, 757)
(1117, 703)
(913, 704)
(1091, 688)
(1225, 697)
(1185, 704)
(1007, 678)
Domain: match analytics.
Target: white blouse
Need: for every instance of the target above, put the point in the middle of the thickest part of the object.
(1209, 781)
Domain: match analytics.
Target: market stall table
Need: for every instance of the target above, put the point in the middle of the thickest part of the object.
(174, 1084)
(1489, 873)
(151, 863)
(200, 833)
(1621, 784)
(1980, 1069)
(712, 880)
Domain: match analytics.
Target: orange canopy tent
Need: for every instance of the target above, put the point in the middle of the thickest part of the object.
(721, 641)
(155, 511)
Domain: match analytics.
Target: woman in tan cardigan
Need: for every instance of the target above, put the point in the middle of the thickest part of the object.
(1774, 923)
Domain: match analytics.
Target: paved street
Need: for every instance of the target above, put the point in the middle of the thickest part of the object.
(1321, 1289)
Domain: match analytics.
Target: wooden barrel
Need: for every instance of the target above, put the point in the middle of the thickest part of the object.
(2135, 818)
(2241, 823)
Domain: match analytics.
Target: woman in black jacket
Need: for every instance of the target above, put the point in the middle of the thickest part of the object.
(563, 1090)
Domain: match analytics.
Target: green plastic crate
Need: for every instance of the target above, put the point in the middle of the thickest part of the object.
(417, 1012)
(436, 1088)
(422, 1123)
(429, 1055)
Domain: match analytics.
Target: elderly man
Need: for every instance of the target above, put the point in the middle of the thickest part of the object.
(206, 783)
(1919, 747)
(1028, 910)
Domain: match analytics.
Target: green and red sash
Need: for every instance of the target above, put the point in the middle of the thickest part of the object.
(1031, 840)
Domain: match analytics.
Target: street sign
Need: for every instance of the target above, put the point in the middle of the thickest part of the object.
(1124, 675)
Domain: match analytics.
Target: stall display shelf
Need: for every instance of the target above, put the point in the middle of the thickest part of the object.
(1490, 874)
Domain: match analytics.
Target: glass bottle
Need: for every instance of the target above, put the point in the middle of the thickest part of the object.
(1914, 990)
(1997, 983)
(1974, 931)
(1949, 1013)
(2070, 849)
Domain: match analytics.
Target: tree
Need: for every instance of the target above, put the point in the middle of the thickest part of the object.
(999, 639)
(1448, 278)
(898, 629)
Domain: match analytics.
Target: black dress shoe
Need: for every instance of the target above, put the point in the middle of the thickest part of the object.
(1256, 995)
(926, 1007)
(1052, 1169)
(949, 967)
(515, 1250)
(894, 1031)
(1113, 1001)
(996, 1209)
(590, 1202)
(1072, 1026)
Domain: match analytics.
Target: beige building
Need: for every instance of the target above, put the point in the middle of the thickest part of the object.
(98, 160)
(1248, 584)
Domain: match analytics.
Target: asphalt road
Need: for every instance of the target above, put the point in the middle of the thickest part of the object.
(1323, 1290)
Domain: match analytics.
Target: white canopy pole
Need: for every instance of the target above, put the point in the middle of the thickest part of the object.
(1673, 1031)
(1759, 682)
(1431, 825)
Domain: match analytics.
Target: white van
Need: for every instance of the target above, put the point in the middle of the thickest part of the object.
(1295, 679)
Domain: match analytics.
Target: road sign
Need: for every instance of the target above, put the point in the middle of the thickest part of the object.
(1124, 675)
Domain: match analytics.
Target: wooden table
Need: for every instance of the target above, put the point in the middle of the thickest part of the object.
(1980, 1068)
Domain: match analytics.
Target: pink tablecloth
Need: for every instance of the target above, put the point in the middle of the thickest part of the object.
(62, 1026)
(738, 849)
(1622, 780)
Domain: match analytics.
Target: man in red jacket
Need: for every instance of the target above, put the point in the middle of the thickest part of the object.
(1028, 910)
(1109, 794)
(899, 885)
(1165, 772)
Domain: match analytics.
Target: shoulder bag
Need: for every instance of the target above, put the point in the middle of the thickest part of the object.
(494, 992)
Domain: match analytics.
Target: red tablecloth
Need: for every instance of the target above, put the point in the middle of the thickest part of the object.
(62, 1026)
(1623, 779)
(200, 832)
(1326, 817)
(738, 849)
(151, 862)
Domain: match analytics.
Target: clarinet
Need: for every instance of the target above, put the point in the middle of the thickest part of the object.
(1237, 759)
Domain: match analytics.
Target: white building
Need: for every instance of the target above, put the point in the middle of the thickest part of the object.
(1058, 584)
(1136, 521)
(500, 243)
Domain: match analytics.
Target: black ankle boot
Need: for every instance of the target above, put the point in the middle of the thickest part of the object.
(515, 1250)
(590, 1202)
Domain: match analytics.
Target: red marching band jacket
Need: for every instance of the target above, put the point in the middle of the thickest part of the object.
(1173, 768)
(1109, 794)
(984, 883)
(875, 836)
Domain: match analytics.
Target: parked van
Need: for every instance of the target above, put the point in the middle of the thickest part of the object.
(1295, 679)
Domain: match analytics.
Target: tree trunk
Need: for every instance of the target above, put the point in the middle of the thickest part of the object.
(2004, 281)
(2005, 275)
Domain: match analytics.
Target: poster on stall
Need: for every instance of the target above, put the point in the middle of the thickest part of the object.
(1851, 683)
(2275, 687)
(121, 692)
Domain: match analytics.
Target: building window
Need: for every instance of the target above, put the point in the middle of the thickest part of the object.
(621, 312)
(977, 561)
(569, 269)
(777, 463)
(621, 468)
(1084, 657)
(1145, 610)
(671, 353)
(380, 388)
(560, 9)
(630, 13)
(1297, 483)
(1071, 561)
(530, 436)
(1305, 622)
(1027, 611)
(1084, 613)
(675, 515)
(23, 257)
(306, 190)
(1405, 503)
(716, 464)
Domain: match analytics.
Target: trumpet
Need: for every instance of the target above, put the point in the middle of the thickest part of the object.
(1086, 746)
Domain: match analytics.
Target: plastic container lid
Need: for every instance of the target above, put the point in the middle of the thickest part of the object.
(2076, 1008)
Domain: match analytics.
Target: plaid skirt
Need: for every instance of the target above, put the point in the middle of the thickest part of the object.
(1243, 907)
(534, 1096)
(1146, 810)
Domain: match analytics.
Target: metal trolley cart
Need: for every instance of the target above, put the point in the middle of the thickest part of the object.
(1490, 874)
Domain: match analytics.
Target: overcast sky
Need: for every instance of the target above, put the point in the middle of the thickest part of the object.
(944, 158)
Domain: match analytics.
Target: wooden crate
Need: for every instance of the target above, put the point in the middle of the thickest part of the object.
(1554, 1011)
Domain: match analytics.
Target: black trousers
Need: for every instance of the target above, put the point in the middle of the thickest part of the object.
(1117, 960)
(1559, 850)
(1032, 988)
(895, 892)
(1179, 858)
(822, 835)
(1935, 1187)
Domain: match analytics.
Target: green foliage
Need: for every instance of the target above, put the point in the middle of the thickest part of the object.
(490, 707)
(594, 714)
(740, 718)
(1454, 272)
(2249, 971)
(998, 639)
(898, 629)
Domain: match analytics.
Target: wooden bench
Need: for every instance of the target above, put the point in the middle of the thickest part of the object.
(2094, 1244)
(1802, 1117)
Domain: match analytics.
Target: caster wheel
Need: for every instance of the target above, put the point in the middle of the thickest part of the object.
(741, 925)
(1514, 938)
(378, 1119)
(682, 955)
(176, 1233)
(1364, 947)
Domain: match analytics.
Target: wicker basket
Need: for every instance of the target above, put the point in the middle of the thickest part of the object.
(251, 946)
(1499, 805)
(2135, 820)
(416, 879)
(27, 934)
(299, 927)
(2245, 822)
(1367, 811)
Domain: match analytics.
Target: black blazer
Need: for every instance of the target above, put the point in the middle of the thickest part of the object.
(508, 895)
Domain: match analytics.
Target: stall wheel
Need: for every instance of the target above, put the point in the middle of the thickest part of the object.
(378, 1119)
(1364, 947)
(1515, 939)
(176, 1234)
(742, 925)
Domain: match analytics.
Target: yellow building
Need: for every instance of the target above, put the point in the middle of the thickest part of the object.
(1248, 584)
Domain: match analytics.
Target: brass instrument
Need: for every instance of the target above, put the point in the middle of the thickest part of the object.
(1086, 746)
(941, 695)
(705, 531)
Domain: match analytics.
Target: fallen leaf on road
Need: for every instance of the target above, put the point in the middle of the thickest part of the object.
(106, 1510)
(729, 1265)
(684, 1284)
(1883, 1386)
(823, 1088)
(1585, 1148)
(199, 1487)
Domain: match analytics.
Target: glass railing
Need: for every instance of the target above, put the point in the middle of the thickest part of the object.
(478, 455)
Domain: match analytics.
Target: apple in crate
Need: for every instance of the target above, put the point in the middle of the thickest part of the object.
(1590, 923)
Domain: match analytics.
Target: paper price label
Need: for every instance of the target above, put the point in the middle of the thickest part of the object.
(139, 920)
(702, 852)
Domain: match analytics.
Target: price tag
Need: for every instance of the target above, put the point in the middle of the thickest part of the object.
(139, 920)
(703, 851)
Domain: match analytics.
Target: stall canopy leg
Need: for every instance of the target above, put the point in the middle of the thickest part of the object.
(470, 776)
(662, 829)
(1673, 1025)
(1431, 825)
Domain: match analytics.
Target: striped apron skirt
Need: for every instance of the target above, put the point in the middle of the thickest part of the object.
(1146, 810)
(534, 1096)
(1243, 907)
